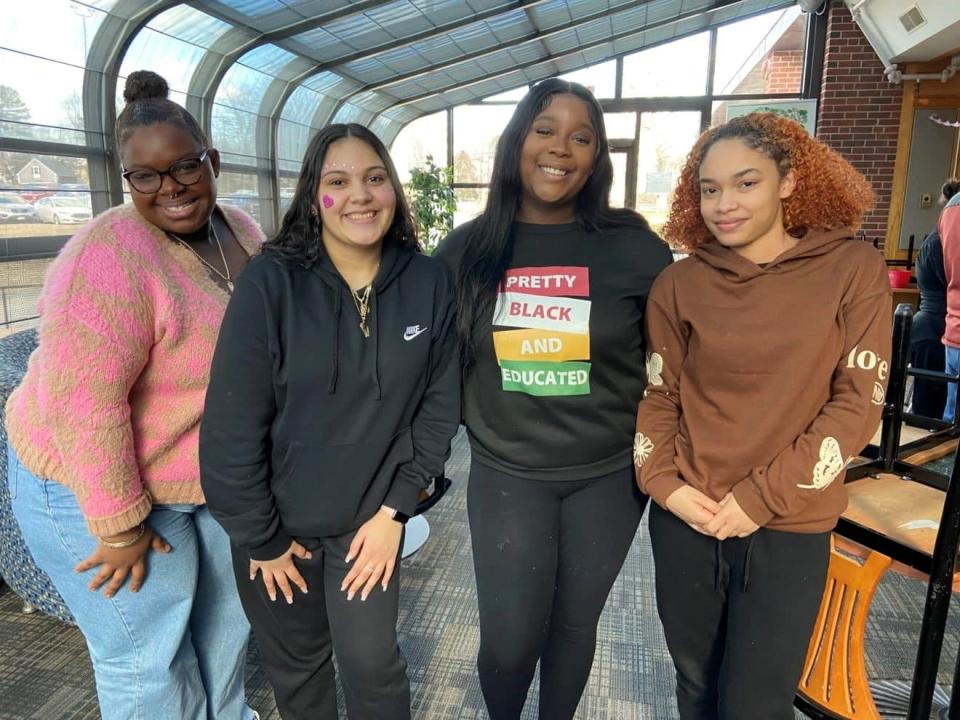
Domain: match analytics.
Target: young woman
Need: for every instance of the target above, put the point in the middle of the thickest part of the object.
(334, 395)
(768, 359)
(552, 286)
(103, 430)
(948, 228)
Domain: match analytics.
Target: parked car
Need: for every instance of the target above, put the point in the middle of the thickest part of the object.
(14, 208)
(59, 209)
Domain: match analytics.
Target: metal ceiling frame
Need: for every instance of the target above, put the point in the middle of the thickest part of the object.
(127, 18)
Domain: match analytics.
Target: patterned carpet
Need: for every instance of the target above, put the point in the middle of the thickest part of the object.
(45, 673)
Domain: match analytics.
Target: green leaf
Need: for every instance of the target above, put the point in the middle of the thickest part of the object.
(432, 201)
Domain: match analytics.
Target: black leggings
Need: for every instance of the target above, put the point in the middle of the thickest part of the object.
(737, 616)
(546, 554)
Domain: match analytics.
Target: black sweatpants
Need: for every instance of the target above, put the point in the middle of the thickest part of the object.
(297, 641)
(737, 616)
(546, 554)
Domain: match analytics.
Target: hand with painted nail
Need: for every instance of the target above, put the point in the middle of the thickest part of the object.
(375, 547)
(281, 572)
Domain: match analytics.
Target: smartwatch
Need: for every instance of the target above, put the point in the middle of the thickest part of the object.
(400, 517)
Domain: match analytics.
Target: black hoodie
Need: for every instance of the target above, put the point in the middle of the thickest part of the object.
(309, 426)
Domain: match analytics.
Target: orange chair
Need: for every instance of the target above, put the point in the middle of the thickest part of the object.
(834, 678)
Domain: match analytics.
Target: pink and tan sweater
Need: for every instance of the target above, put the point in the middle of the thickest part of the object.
(110, 405)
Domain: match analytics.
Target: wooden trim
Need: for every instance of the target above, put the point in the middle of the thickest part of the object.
(891, 246)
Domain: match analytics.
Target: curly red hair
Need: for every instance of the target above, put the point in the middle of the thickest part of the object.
(830, 193)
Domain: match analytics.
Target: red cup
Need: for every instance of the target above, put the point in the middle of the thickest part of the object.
(899, 278)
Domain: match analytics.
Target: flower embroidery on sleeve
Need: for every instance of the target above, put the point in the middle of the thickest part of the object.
(642, 447)
(828, 466)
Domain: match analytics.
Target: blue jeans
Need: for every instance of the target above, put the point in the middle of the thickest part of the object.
(176, 649)
(951, 366)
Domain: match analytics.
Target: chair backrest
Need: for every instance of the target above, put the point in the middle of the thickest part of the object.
(834, 674)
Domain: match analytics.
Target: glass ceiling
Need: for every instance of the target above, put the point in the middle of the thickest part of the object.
(385, 63)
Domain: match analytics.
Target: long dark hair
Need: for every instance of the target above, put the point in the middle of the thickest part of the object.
(489, 240)
(298, 239)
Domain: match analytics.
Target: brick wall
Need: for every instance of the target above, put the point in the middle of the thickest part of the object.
(783, 71)
(859, 114)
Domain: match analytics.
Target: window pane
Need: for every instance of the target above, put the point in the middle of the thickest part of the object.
(644, 74)
(424, 136)
(620, 126)
(243, 88)
(288, 185)
(58, 29)
(476, 129)
(240, 190)
(763, 54)
(179, 59)
(190, 25)
(618, 191)
(40, 99)
(508, 96)
(795, 109)
(292, 140)
(665, 140)
(600, 79)
(235, 134)
(43, 196)
(470, 203)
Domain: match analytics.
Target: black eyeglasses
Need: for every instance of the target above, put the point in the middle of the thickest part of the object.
(186, 172)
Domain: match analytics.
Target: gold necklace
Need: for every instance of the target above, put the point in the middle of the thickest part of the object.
(216, 238)
(361, 298)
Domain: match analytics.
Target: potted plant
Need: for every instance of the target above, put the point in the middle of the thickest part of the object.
(432, 202)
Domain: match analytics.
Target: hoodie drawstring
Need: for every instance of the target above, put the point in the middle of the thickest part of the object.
(718, 578)
(335, 346)
(746, 561)
(376, 343)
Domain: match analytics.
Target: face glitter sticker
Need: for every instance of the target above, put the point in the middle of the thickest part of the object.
(327, 201)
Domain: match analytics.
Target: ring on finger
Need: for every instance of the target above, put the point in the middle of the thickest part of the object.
(369, 568)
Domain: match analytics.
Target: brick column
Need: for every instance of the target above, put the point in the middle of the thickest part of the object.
(859, 112)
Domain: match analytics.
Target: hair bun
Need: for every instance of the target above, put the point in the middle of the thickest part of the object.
(145, 85)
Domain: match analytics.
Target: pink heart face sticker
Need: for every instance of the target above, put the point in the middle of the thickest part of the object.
(327, 201)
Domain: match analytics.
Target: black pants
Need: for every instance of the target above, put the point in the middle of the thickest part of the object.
(737, 616)
(546, 555)
(297, 641)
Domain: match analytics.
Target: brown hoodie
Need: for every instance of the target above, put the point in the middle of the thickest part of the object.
(765, 381)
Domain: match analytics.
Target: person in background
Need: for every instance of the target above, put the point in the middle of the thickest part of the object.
(334, 394)
(749, 421)
(552, 284)
(929, 322)
(103, 430)
(949, 229)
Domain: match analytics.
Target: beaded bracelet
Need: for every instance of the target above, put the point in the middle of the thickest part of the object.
(125, 543)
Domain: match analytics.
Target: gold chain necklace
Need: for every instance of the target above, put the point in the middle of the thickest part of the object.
(361, 298)
(216, 238)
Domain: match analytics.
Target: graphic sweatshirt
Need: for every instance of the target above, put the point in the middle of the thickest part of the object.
(764, 382)
(553, 391)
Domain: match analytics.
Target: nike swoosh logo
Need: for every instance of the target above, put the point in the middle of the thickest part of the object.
(411, 334)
